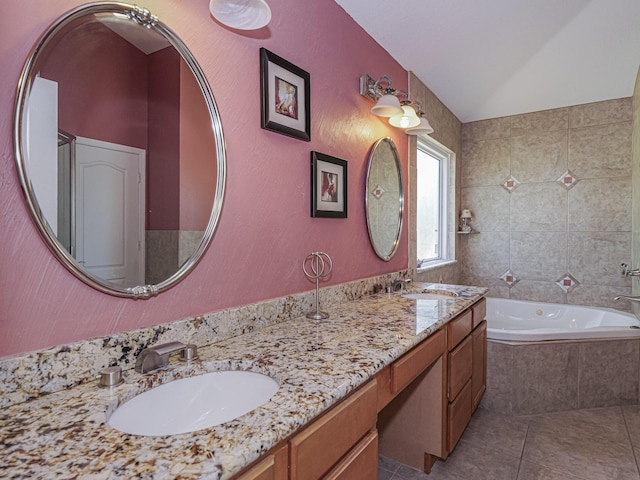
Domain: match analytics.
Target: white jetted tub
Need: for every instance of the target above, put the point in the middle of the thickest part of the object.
(522, 321)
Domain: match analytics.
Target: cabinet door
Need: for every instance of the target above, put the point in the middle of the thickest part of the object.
(459, 416)
(361, 463)
(460, 367)
(479, 375)
(319, 447)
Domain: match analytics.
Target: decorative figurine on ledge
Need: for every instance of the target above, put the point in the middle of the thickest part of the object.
(465, 218)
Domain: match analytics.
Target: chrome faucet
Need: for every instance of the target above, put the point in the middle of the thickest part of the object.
(155, 358)
(630, 273)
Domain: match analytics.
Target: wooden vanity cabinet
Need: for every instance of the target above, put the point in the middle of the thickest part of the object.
(342, 443)
(467, 367)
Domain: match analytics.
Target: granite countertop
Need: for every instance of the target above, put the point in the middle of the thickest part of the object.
(65, 435)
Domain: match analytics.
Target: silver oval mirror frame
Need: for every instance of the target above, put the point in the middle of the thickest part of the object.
(122, 17)
(384, 198)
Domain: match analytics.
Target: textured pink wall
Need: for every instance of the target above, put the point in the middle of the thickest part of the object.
(265, 230)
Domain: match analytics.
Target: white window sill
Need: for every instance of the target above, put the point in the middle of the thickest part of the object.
(435, 264)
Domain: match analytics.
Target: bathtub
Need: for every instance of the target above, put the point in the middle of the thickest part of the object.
(522, 321)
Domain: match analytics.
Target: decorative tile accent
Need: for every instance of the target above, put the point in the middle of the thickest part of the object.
(511, 183)
(509, 278)
(378, 192)
(567, 282)
(567, 180)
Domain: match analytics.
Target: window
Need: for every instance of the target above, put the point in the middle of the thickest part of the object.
(433, 245)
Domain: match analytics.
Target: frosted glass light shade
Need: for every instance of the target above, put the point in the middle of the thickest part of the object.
(241, 14)
(387, 106)
(424, 128)
(408, 119)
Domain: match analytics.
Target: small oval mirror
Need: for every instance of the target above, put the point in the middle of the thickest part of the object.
(119, 149)
(384, 198)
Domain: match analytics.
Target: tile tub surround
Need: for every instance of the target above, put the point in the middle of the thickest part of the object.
(540, 377)
(28, 375)
(550, 193)
(64, 433)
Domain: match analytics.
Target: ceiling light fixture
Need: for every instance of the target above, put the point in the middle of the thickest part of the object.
(403, 113)
(241, 14)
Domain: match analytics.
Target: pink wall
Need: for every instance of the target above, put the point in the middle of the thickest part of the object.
(265, 230)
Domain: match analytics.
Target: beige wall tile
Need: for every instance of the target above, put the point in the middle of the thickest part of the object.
(540, 122)
(601, 205)
(489, 207)
(591, 257)
(487, 129)
(485, 162)
(535, 291)
(539, 207)
(540, 256)
(539, 157)
(599, 113)
(483, 255)
(609, 373)
(600, 296)
(552, 387)
(600, 151)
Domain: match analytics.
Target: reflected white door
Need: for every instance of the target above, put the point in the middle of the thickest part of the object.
(110, 208)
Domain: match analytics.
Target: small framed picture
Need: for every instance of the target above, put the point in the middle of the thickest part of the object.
(328, 186)
(284, 89)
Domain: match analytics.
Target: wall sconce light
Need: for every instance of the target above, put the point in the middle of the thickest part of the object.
(403, 113)
(465, 218)
(241, 14)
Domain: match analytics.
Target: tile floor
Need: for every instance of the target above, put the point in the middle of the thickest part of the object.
(598, 444)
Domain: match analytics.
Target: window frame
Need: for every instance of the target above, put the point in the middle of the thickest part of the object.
(446, 226)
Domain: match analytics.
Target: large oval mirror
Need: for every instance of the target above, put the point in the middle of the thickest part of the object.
(384, 198)
(119, 149)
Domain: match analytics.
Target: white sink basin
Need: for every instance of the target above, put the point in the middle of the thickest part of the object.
(432, 295)
(194, 403)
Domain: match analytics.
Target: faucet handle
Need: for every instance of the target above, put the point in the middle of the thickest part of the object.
(627, 272)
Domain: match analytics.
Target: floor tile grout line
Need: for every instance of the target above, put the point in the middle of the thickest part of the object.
(633, 450)
(524, 446)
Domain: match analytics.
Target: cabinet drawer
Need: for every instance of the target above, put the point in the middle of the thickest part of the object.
(460, 367)
(413, 363)
(319, 447)
(361, 463)
(458, 328)
(479, 311)
(459, 416)
(273, 467)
